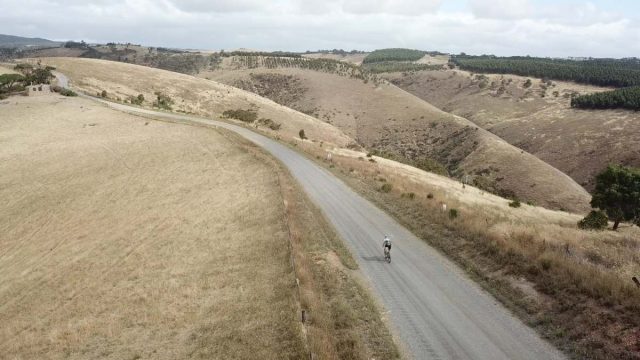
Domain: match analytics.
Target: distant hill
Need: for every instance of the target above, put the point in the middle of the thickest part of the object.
(10, 41)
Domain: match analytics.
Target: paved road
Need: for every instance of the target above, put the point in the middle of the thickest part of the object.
(437, 311)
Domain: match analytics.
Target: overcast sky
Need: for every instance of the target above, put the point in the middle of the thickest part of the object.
(596, 28)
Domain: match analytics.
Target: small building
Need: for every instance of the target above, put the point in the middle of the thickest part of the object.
(39, 89)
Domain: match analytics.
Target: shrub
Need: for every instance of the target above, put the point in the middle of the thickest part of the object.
(247, 116)
(515, 203)
(386, 188)
(410, 195)
(269, 123)
(137, 100)
(302, 134)
(429, 196)
(67, 92)
(163, 101)
(103, 93)
(595, 220)
(453, 213)
(527, 84)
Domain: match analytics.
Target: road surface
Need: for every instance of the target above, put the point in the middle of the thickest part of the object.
(435, 309)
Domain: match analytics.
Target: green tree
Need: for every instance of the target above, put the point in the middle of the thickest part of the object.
(8, 80)
(618, 194)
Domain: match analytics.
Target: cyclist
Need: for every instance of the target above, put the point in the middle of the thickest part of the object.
(386, 244)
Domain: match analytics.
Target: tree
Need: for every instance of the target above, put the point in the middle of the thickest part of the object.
(596, 220)
(8, 80)
(618, 194)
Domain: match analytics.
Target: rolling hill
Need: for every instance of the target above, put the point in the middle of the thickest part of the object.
(385, 119)
(11, 41)
(189, 94)
(538, 118)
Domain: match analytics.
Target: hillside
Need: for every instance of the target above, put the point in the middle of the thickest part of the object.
(392, 122)
(125, 238)
(538, 118)
(189, 94)
(9, 41)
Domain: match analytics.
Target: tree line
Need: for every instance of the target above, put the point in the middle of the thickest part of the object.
(626, 98)
(599, 72)
(395, 54)
(323, 65)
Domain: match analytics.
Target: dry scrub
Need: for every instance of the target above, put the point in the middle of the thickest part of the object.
(574, 286)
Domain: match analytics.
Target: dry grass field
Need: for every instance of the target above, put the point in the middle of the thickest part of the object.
(538, 119)
(390, 120)
(190, 94)
(129, 238)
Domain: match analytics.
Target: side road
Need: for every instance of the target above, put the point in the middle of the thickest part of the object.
(438, 312)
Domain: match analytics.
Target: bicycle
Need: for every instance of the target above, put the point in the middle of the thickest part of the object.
(387, 255)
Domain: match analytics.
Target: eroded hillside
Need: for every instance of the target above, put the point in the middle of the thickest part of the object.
(536, 117)
(390, 121)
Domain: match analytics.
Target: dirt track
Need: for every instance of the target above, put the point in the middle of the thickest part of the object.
(437, 311)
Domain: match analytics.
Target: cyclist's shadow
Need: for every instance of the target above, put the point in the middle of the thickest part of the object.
(374, 258)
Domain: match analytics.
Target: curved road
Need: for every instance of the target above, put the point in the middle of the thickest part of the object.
(436, 310)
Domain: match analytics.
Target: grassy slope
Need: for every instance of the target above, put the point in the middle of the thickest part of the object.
(578, 142)
(191, 95)
(122, 239)
(126, 238)
(389, 119)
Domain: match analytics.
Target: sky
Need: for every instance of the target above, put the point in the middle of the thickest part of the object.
(556, 28)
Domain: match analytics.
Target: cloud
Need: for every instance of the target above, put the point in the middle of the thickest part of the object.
(402, 7)
(299, 25)
(501, 9)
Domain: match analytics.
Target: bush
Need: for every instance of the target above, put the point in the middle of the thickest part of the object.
(247, 116)
(515, 203)
(103, 93)
(386, 188)
(527, 84)
(137, 100)
(453, 213)
(595, 220)
(67, 92)
(163, 101)
(429, 196)
(269, 123)
(410, 195)
(302, 134)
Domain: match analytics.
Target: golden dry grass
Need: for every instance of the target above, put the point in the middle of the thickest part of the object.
(122, 239)
(191, 95)
(130, 238)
